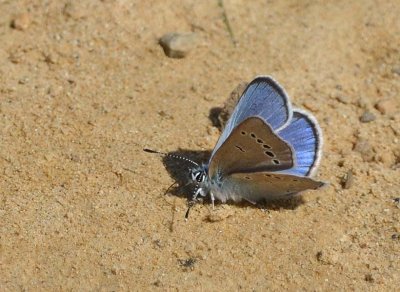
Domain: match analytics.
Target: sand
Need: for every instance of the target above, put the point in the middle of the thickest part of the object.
(85, 86)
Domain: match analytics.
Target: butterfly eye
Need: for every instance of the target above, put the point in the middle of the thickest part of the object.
(199, 176)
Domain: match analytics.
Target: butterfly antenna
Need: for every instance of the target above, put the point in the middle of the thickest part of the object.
(170, 155)
(170, 187)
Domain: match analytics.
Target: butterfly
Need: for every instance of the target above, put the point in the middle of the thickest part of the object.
(268, 150)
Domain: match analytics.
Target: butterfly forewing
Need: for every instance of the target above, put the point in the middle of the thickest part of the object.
(252, 146)
(265, 98)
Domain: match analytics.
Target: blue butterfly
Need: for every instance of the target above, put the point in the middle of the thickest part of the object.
(267, 151)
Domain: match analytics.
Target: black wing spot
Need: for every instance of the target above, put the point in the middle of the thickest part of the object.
(270, 154)
(295, 179)
(268, 175)
(246, 177)
(267, 146)
(260, 141)
(253, 135)
(243, 133)
(240, 148)
(276, 161)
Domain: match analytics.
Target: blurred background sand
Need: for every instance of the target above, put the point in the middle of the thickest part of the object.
(84, 86)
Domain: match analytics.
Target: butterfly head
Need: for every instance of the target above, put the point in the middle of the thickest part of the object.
(199, 176)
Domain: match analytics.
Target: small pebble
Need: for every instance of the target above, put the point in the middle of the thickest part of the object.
(364, 148)
(74, 157)
(188, 263)
(386, 106)
(50, 58)
(16, 57)
(343, 99)
(311, 106)
(73, 10)
(367, 117)
(362, 103)
(178, 45)
(397, 202)
(327, 257)
(396, 70)
(21, 21)
(369, 278)
(386, 157)
(348, 180)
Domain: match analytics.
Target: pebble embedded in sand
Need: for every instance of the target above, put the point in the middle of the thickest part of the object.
(364, 148)
(178, 45)
(74, 10)
(396, 70)
(311, 106)
(327, 257)
(386, 157)
(386, 106)
(21, 21)
(367, 117)
(396, 201)
(343, 99)
(369, 278)
(348, 180)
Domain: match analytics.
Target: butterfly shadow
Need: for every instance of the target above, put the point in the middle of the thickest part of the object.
(179, 170)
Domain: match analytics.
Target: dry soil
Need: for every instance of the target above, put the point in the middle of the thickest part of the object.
(85, 86)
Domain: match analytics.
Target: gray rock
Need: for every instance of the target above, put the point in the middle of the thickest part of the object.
(367, 117)
(178, 45)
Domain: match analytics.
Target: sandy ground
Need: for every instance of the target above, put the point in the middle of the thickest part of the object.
(84, 86)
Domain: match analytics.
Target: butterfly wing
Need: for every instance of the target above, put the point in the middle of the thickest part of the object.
(305, 137)
(256, 186)
(252, 146)
(264, 98)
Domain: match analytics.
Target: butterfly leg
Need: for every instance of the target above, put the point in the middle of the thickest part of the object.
(212, 200)
(198, 191)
